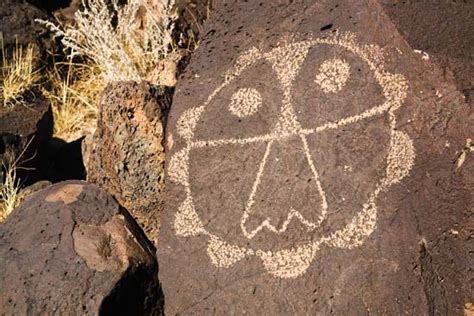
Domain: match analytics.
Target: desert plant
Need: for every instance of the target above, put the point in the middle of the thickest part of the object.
(17, 73)
(10, 184)
(73, 90)
(126, 41)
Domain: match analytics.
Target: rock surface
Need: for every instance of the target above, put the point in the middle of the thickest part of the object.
(439, 29)
(28, 125)
(17, 23)
(71, 249)
(318, 165)
(126, 155)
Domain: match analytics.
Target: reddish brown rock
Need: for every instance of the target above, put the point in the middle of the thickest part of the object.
(318, 166)
(71, 249)
(126, 156)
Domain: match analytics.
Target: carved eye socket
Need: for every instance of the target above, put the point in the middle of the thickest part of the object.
(333, 75)
(245, 102)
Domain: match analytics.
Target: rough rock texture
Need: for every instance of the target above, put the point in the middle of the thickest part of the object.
(35, 118)
(126, 156)
(27, 125)
(70, 249)
(31, 189)
(17, 23)
(440, 29)
(318, 165)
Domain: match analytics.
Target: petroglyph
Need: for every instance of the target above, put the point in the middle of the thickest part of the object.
(245, 102)
(223, 254)
(331, 77)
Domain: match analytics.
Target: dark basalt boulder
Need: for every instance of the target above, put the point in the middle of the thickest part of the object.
(27, 128)
(70, 249)
(18, 26)
(126, 155)
(316, 164)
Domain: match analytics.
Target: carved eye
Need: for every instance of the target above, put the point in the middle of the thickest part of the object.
(333, 75)
(245, 102)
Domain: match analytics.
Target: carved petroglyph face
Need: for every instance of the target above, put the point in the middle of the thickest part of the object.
(295, 161)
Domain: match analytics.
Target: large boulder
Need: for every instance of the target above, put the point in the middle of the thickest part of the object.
(316, 165)
(70, 249)
(126, 154)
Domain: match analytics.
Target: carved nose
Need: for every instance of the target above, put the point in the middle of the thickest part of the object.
(287, 193)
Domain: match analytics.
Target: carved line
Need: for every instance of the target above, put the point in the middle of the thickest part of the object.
(251, 200)
(379, 110)
(324, 204)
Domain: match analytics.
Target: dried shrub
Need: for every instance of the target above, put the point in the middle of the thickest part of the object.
(127, 42)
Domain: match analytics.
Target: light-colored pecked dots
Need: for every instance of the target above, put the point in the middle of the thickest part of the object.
(224, 255)
(401, 157)
(245, 102)
(178, 167)
(333, 75)
(289, 263)
(187, 122)
(359, 228)
(187, 222)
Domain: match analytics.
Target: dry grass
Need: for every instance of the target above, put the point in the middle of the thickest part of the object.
(73, 90)
(10, 185)
(17, 74)
(119, 42)
(126, 42)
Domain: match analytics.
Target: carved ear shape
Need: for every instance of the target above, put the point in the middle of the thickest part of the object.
(401, 157)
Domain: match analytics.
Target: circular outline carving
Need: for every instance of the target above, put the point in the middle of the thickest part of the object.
(293, 262)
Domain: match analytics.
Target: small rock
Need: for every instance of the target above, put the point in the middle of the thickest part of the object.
(126, 156)
(71, 249)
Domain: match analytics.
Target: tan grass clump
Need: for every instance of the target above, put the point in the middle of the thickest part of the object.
(73, 90)
(10, 184)
(17, 73)
(126, 41)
